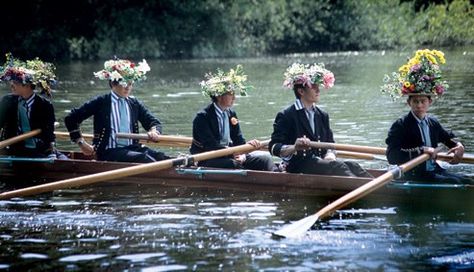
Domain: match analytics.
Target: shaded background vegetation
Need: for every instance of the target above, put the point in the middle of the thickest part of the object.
(98, 29)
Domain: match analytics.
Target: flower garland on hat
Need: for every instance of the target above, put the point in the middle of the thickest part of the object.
(421, 75)
(220, 83)
(33, 71)
(123, 71)
(308, 75)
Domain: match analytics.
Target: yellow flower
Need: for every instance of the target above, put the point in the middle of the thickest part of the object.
(406, 84)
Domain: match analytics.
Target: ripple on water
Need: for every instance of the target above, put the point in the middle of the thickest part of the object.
(82, 257)
(462, 260)
(33, 256)
(140, 257)
(161, 268)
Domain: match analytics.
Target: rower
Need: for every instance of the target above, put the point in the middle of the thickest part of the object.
(299, 124)
(417, 132)
(217, 126)
(27, 109)
(117, 112)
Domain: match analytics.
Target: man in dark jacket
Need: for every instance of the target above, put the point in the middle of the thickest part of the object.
(117, 112)
(217, 126)
(25, 109)
(417, 132)
(299, 124)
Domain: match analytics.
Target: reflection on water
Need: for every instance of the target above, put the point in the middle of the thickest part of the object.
(151, 228)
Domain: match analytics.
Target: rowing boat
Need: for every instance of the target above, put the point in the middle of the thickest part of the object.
(29, 171)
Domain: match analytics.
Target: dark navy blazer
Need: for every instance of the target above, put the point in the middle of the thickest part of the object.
(291, 124)
(206, 136)
(404, 141)
(100, 107)
(41, 116)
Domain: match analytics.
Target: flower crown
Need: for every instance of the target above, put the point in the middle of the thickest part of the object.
(33, 71)
(306, 75)
(123, 71)
(421, 75)
(221, 82)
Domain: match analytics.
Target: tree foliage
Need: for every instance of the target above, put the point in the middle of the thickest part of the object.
(91, 29)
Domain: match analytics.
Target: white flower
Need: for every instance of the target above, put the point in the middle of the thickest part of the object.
(143, 66)
(115, 76)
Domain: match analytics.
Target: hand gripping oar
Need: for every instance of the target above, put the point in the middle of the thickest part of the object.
(129, 171)
(380, 150)
(301, 226)
(19, 138)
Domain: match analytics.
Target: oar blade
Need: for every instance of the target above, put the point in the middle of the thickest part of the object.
(296, 229)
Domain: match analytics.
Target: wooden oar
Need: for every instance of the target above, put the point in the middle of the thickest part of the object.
(128, 171)
(358, 155)
(164, 140)
(19, 138)
(301, 226)
(380, 150)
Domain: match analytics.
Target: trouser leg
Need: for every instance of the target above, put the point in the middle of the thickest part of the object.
(259, 160)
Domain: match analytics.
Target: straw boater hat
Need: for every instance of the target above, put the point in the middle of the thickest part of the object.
(36, 72)
(221, 83)
(123, 71)
(421, 75)
(307, 75)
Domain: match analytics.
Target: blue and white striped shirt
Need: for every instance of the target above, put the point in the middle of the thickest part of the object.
(115, 120)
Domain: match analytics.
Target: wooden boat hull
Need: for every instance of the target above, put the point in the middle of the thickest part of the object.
(16, 173)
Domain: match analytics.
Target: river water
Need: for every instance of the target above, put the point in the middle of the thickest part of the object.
(150, 228)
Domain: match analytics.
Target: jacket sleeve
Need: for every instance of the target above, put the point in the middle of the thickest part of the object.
(146, 118)
(280, 135)
(78, 115)
(395, 153)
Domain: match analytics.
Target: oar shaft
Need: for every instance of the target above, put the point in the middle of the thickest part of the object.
(127, 171)
(369, 187)
(348, 147)
(164, 140)
(19, 138)
(379, 150)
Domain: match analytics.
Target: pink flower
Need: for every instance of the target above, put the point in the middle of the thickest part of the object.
(439, 89)
(328, 80)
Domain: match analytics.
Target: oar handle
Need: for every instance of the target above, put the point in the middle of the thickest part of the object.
(19, 138)
(128, 171)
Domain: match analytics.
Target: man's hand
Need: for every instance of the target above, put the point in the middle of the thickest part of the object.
(85, 147)
(255, 143)
(302, 143)
(458, 152)
(153, 135)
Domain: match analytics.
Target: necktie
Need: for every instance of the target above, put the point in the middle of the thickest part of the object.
(310, 114)
(430, 165)
(124, 125)
(25, 122)
(225, 131)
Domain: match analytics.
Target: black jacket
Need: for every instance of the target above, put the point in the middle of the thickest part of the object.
(100, 107)
(291, 124)
(404, 141)
(206, 135)
(41, 117)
